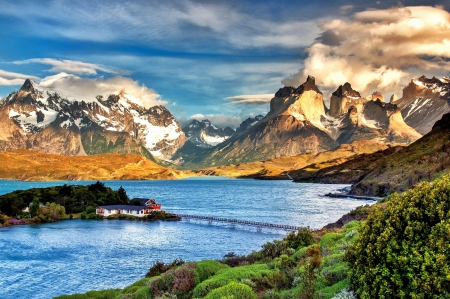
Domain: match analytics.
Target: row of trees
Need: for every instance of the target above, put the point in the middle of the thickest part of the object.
(73, 198)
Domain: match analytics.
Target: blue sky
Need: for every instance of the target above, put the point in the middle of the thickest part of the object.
(217, 59)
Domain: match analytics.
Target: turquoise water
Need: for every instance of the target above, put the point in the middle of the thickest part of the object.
(42, 261)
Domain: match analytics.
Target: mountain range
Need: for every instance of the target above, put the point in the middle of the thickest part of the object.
(298, 122)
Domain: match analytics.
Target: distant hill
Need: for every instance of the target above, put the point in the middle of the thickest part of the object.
(35, 166)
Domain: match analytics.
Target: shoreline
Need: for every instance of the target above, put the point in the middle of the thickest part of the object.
(346, 195)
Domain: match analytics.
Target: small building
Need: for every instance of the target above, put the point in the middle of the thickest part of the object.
(137, 211)
(149, 202)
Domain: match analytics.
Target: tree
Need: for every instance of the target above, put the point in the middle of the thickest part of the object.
(34, 207)
(56, 211)
(403, 248)
(123, 197)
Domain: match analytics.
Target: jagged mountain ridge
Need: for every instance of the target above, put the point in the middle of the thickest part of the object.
(424, 101)
(39, 119)
(246, 124)
(206, 135)
(299, 122)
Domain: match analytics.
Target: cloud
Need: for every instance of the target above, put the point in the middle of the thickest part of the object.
(345, 9)
(379, 49)
(70, 66)
(197, 26)
(10, 78)
(256, 99)
(76, 88)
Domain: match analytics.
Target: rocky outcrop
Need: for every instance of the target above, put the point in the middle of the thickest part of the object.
(39, 119)
(365, 118)
(343, 98)
(206, 135)
(424, 101)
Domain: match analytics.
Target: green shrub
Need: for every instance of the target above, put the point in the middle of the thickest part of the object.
(83, 215)
(258, 273)
(90, 209)
(233, 290)
(302, 238)
(93, 216)
(206, 269)
(403, 249)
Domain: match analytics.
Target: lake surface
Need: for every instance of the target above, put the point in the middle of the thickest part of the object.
(74, 256)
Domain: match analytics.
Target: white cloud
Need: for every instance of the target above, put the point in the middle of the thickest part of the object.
(380, 49)
(256, 99)
(70, 66)
(10, 78)
(76, 88)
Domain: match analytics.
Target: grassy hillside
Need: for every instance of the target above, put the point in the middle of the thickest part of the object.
(277, 168)
(35, 166)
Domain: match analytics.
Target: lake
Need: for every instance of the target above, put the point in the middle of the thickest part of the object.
(71, 256)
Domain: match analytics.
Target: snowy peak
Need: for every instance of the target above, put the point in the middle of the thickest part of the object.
(118, 124)
(424, 101)
(206, 135)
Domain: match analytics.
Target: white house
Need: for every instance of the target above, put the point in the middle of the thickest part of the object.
(138, 211)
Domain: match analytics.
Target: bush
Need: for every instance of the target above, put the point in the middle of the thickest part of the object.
(233, 290)
(257, 273)
(83, 215)
(403, 249)
(93, 216)
(159, 267)
(180, 282)
(90, 209)
(303, 237)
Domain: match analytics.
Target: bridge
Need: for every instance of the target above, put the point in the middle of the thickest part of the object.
(237, 221)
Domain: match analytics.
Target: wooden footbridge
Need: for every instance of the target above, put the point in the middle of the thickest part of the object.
(259, 225)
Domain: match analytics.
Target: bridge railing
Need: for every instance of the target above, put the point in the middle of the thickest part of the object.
(238, 221)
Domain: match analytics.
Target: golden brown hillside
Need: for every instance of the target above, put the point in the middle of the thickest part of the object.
(277, 168)
(35, 166)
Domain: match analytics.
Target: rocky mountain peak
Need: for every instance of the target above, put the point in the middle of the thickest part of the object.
(377, 96)
(346, 90)
(285, 92)
(310, 84)
(344, 97)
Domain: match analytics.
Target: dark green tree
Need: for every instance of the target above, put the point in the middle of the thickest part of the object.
(34, 207)
(123, 197)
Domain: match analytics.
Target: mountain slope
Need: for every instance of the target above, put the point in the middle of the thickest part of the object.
(424, 101)
(283, 167)
(35, 166)
(39, 119)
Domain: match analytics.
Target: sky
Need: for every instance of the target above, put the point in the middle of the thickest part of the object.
(224, 59)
